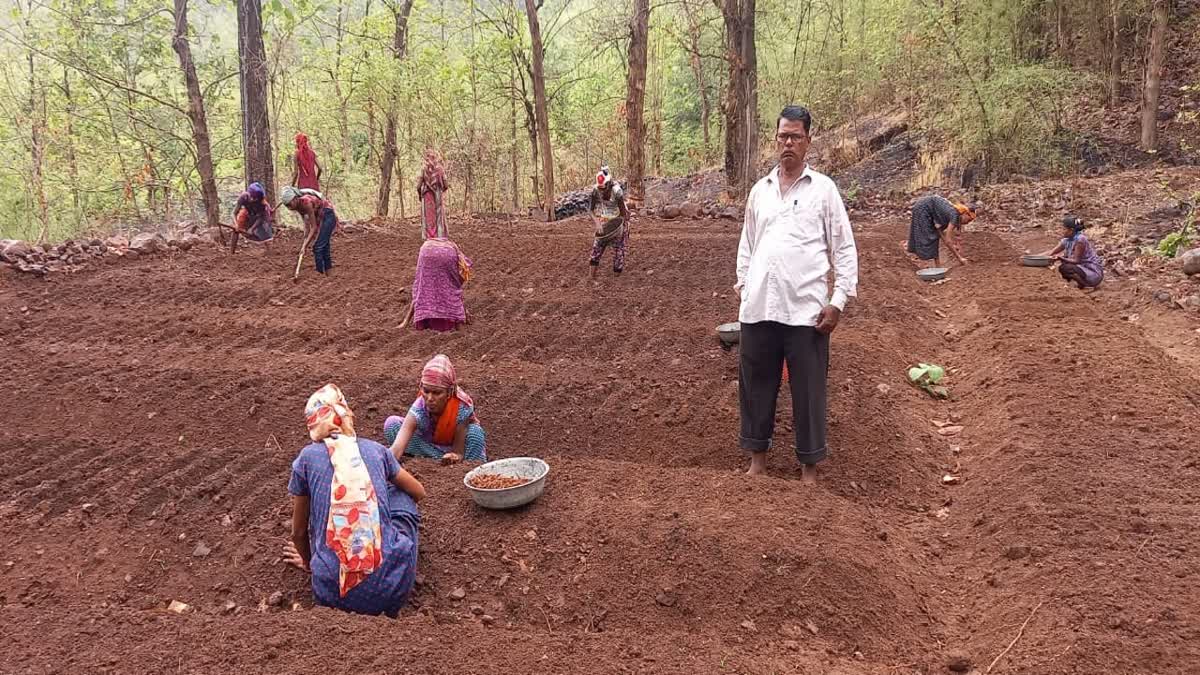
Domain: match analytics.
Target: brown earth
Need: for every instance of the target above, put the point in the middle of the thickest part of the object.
(154, 405)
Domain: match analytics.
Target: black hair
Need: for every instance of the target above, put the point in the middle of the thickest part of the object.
(1073, 223)
(796, 113)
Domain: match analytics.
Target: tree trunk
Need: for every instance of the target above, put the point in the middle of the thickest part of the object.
(1154, 68)
(1114, 58)
(197, 117)
(543, 118)
(741, 96)
(37, 137)
(387, 161)
(72, 156)
(635, 126)
(252, 76)
(516, 176)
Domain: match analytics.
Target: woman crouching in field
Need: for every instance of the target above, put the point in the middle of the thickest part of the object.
(354, 514)
(441, 423)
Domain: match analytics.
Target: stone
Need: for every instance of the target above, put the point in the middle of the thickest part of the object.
(275, 599)
(666, 599)
(178, 607)
(88, 508)
(958, 661)
(11, 249)
(458, 593)
(148, 242)
(487, 619)
(1016, 552)
(201, 551)
(670, 211)
(1191, 262)
(229, 607)
(689, 210)
(1162, 296)
(116, 241)
(731, 213)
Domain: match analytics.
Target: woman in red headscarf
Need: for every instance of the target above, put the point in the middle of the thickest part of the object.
(306, 170)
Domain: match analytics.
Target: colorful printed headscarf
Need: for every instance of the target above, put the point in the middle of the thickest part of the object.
(352, 531)
(603, 177)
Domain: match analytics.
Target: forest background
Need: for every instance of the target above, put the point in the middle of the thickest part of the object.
(120, 112)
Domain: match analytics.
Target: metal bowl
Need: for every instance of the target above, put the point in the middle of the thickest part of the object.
(932, 274)
(508, 498)
(730, 333)
(1037, 260)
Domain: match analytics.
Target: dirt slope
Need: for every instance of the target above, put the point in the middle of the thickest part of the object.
(166, 394)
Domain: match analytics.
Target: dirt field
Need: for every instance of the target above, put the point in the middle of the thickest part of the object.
(155, 405)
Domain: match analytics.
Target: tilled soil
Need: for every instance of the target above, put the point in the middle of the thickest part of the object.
(153, 408)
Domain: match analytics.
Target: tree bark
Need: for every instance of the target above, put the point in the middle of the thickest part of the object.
(635, 126)
(197, 117)
(741, 96)
(252, 76)
(543, 118)
(1114, 58)
(37, 136)
(516, 176)
(1154, 68)
(72, 156)
(387, 161)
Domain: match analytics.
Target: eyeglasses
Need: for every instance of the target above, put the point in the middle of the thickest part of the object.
(791, 138)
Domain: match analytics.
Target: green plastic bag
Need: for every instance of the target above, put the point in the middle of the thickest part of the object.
(927, 376)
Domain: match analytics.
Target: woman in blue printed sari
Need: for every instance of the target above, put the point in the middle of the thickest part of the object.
(441, 424)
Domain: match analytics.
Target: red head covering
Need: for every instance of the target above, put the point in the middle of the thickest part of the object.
(305, 156)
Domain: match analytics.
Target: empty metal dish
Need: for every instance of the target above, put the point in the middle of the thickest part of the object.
(730, 333)
(1037, 260)
(932, 274)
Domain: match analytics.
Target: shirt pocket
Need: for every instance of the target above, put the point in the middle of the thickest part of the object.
(806, 227)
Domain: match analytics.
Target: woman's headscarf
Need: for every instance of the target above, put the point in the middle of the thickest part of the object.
(603, 177)
(439, 372)
(289, 194)
(256, 191)
(433, 174)
(305, 156)
(352, 531)
(966, 214)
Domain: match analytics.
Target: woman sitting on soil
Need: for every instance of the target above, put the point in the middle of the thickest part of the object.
(1078, 261)
(437, 292)
(354, 514)
(252, 217)
(934, 220)
(441, 423)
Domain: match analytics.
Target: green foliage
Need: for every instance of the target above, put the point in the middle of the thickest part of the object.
(988, 78)
(1023, 128)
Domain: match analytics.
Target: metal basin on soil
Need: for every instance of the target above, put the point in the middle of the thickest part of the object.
(1037, 260)
(531, 468)
(730, 333)
(932, 274)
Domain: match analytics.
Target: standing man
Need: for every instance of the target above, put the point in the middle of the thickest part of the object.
(795, 224)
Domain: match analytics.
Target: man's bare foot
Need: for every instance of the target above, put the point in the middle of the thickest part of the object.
(758, 464)
(808, 473)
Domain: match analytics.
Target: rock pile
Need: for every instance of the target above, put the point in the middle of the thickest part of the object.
(72, 255)
(572, 203)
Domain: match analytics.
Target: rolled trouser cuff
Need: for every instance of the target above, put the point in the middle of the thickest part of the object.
(754, 444)
(811, 456)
